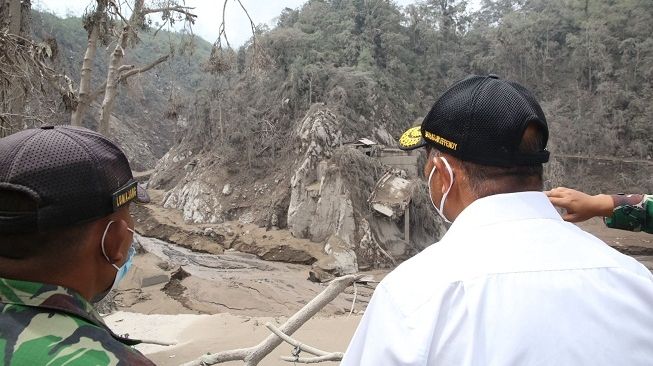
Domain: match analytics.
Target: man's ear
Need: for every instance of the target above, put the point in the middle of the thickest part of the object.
(443, 177)
(114, 239)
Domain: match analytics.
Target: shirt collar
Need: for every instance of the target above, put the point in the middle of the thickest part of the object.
(505, 207)
(53, 297)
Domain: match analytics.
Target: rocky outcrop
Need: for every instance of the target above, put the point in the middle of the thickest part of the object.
(319, 136)
(329, 196)
(198, 203)
(321, 198)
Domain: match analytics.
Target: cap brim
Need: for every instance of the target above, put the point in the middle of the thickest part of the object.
(412, 139)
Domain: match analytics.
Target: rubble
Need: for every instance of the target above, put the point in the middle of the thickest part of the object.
(391, 196)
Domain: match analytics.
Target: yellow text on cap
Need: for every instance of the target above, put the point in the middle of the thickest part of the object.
(440, 140)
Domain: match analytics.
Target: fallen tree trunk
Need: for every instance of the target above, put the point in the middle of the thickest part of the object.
(253, 355)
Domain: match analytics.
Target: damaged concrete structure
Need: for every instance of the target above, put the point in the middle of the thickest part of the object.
(391, 198)
(396, 158)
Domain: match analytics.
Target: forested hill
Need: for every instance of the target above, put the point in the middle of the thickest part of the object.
(590, 62)
(379, 68)
(146, 99)
(272, 114)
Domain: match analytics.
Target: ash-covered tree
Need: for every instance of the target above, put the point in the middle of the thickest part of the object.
(107, 23)
(27, 73)
(14, 26)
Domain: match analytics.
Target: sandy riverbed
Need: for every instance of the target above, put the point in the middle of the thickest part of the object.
(227, 299)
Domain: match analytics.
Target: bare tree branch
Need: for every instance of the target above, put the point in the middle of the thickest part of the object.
(251, 22)
(117, 12)
(222, 31)
(165, 22)
(336, 356)
(23, 71)
(143, 69)
(322, 355)
(125, 68)
(186, 10)
(253, 355)
(124, 76)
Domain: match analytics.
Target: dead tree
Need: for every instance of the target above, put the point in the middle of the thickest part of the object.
(14, 20)
(253, 355)
(107, 23)
(25, 70)
(96, 23)
(223, 57)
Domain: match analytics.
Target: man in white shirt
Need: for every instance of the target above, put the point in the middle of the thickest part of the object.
(510, 283)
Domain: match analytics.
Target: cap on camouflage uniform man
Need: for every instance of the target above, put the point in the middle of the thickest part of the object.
(65, 239)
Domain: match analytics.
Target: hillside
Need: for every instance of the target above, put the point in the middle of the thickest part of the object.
(265, 146)
(142, 114)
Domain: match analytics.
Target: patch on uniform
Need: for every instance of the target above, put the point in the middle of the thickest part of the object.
(125, 195)
(411, 139)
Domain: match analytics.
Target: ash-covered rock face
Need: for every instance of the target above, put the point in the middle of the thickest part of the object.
(197, 201)
(323, 209)
(328, 200)
(171, 168)
(319, 136)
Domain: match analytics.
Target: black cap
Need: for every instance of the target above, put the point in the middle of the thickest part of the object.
(481, 119)
(73, 175)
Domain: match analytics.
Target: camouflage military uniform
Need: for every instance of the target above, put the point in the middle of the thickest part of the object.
(43, 324)
(632, 212)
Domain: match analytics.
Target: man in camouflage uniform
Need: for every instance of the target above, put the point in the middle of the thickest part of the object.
(65, 240)
(632, 212)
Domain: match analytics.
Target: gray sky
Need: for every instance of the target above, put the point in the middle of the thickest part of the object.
(209, 14)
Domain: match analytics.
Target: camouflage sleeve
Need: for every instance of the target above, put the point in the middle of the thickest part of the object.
(56, 339)
(632, 212)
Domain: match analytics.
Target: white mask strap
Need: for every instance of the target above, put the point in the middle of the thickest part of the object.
(446, 193)
(104, 235)
(440, 210)
(106, 229)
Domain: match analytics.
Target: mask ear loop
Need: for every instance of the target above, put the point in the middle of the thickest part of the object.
(103, 251)
(444, 197)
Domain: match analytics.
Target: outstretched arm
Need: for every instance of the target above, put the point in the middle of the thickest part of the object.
(580, 206)
(632, 212)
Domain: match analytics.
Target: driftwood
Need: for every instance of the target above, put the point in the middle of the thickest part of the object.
(253, 355)
(322, 356)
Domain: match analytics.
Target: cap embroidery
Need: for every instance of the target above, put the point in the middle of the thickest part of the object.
(124, 195)
(440, 140)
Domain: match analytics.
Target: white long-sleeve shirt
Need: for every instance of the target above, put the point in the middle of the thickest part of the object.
(510, 283)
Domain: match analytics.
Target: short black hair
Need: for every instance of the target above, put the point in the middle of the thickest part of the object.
(486, 180)
(490, 180)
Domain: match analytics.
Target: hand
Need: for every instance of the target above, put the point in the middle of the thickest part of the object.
(580, 206)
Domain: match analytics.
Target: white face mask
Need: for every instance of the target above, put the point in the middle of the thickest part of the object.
(122, 270)
(440, 210)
